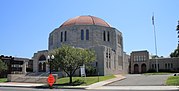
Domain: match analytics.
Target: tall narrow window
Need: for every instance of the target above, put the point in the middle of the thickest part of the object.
(61, 36)
(104, 36)
(171, 65)
(108, 36)
(65, 35)
(166, 66)
(87, 34)
(82, 34)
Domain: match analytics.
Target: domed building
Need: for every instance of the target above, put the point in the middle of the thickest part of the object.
(87, 32)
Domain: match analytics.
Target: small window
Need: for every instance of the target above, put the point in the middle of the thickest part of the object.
(166, 66)
(171, 65)
(104, 36)
(61, 36)
(106, 55)
(152, 66)
(82, 34)
(65, 35)
(87, 34)
(108, 36)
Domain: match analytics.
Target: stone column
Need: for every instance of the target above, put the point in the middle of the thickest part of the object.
(24, 67)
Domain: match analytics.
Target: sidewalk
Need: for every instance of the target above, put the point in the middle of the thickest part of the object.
(26, 85)
(140, 88)
(41, 85)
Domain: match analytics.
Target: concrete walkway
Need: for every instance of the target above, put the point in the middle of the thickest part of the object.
(140, 88)
(27, 85)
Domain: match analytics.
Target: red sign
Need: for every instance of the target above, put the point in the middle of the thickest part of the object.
(51, 80)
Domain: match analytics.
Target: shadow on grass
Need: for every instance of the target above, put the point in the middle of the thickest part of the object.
(75, 83)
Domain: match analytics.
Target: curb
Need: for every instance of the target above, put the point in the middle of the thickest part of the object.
(103, 83)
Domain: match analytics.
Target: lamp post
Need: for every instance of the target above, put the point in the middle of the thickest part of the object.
(50, 79)
(50, 59)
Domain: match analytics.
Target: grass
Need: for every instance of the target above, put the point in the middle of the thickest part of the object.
(81, 80)
(3, 80)
(158, 73)
(173, 81)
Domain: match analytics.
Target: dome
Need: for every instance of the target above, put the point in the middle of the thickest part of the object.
(85, 20)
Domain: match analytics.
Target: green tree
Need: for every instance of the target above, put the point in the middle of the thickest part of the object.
(175, 53)
(70, 59)
(3, 66)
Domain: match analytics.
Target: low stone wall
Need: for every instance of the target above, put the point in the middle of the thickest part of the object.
(23, 78)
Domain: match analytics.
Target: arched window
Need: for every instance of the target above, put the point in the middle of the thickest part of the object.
(104, 36)
(108, 36)
(42, 58)
(82, 34)
(87, 34)
(65, 35)
(61, 36)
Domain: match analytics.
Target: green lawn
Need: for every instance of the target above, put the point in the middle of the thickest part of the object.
(158, 73)
(173, 80)
(82, 81)
(3, 80)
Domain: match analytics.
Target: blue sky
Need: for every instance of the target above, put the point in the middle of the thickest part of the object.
(26, 24)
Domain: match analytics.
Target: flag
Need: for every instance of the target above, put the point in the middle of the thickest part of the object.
(153, 19)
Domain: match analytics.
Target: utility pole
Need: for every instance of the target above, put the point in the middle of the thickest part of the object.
(155, 43)
(177, 29)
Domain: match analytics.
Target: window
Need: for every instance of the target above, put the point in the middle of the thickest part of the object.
(61, 36)
(104, 36)
(87, 34)
(108, 36)
(106, 55)
(152, 66)
(109, 55)
(82, 34)
(166, 66)
(65, 35)
(171, 65)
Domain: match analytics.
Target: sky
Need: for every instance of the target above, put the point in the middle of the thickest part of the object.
(25, 24)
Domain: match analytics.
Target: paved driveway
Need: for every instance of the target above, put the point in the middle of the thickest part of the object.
(141, 80)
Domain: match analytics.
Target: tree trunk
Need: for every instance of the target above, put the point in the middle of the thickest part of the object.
(71, 79)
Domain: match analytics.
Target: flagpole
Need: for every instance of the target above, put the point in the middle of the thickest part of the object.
(155, 43)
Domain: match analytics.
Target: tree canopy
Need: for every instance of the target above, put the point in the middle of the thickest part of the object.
(175, 53)
(69, 59)
(3, 66)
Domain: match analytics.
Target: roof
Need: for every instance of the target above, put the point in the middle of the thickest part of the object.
(85, 20)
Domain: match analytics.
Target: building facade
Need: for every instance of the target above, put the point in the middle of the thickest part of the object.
(16, 65)
(141, 62)
(87, 32)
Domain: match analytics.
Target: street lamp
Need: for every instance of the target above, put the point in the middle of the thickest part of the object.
(50, 59)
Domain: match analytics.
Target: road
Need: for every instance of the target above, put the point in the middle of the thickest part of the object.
(35, 89)
(134, 82)
(141, 80)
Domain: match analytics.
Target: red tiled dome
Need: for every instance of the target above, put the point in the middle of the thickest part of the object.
(85, 20)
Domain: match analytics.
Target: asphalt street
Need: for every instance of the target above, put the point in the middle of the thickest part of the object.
(141, 80)
(35, 89)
